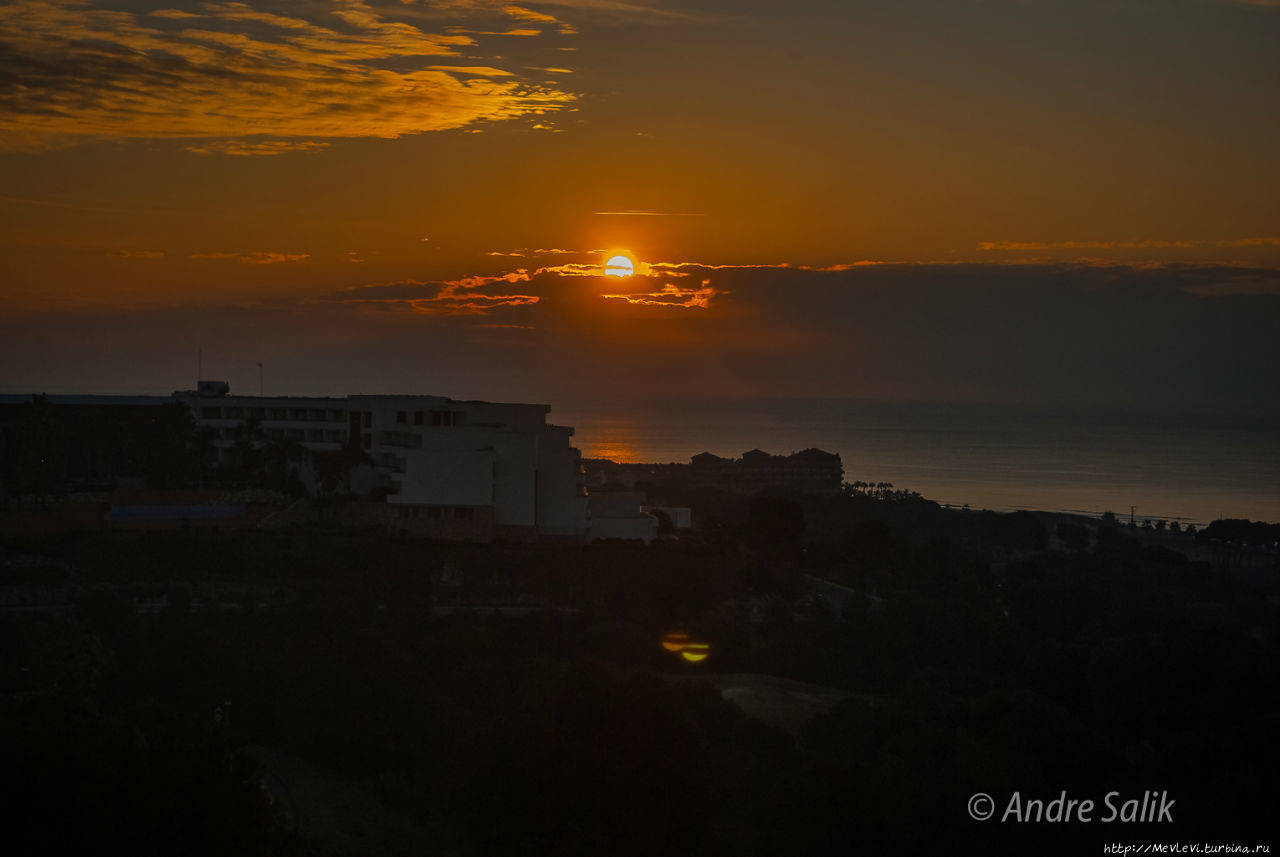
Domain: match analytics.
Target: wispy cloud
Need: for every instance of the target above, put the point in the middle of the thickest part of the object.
(245, 148)
(575, 269)
(478, 70)
(631, 213)
(229, 71)
(671, 295)
(1145, 244)
(528, 251)
(260, 257)
(136, 254)
(618, 7)
(524, 14)
(467, 296)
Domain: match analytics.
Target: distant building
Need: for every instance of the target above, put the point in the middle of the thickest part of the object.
(440, 467)
(615, 513)
(450, 468)
(810, 471)
(681, 517)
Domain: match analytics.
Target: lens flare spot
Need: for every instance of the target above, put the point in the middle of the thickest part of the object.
(674, 641)
(695, 652)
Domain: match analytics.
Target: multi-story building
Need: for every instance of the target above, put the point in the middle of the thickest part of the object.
(445, 467)
(437, 466)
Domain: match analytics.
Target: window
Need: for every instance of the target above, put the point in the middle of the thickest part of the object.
(368, 419)
(418, 418)
(463, 514)
(401, 417)
(211, 413)
(444, 418)
(366, 441)
(434, 512)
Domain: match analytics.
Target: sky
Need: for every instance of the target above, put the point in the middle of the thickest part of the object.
(1050, 201)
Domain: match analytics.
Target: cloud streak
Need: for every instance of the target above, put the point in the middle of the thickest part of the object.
(631, 213)
(260, 257)
(671, 295)
(467, 296)
(243, 148)
(1147, 244)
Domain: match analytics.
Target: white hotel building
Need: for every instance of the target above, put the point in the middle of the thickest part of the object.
(448, 468)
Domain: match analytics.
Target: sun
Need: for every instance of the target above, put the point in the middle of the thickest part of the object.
(619, 266)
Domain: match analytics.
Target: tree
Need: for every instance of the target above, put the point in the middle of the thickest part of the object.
(333, 473)
(858, 488)
(170, 455)
(204, 453)
(246, 449)
(41, 441)
(775, 524)
(1073, 536)
(280, 457)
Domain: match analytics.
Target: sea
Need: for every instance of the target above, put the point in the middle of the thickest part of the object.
(985, 456)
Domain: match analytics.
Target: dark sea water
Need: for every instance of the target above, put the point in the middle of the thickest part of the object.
(993, 457)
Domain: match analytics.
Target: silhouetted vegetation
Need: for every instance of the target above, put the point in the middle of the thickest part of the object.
(975, 657)
(37, 464)
(1241, 531)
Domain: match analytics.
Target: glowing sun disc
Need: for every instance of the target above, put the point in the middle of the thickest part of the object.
(619, 266)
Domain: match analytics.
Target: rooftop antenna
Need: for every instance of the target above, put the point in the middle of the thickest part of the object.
(259, 377)
(199, 365)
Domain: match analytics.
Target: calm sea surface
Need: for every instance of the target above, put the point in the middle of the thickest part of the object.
(991, 457)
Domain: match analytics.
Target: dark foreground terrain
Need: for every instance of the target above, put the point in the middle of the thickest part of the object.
(331, 692)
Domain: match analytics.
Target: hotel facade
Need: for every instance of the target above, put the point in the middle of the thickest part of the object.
(432, 465)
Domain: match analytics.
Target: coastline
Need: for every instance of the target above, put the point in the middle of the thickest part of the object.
(999, 458)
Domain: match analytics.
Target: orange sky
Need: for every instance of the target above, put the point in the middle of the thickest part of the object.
(267, 177)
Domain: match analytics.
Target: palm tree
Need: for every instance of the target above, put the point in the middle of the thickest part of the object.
(333, 472)
(40, 436)
(278, 454)
(246, 446)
